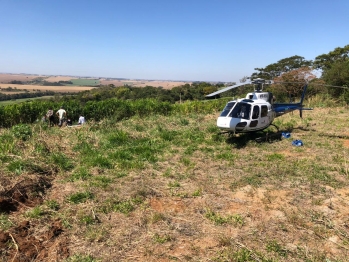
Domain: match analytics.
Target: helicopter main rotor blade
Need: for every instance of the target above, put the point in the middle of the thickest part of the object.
(228, 88)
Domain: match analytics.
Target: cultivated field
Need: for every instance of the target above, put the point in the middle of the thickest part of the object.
(7, 78)
(169, 188)
(49, 88)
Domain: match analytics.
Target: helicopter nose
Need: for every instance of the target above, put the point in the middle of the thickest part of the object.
(240, 126)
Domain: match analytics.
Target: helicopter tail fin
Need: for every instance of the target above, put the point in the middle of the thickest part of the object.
(301, 102)
(303, 94)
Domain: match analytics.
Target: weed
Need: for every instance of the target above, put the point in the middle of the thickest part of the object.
(80, 197)
(22, 131)
(99, 160)
(81, 258)
(101, 181)
(123, 206)
(275, 156)
(161, 239)
(186, 161)
(81, 173)
(174, 184)
(5, 223)
(216, 218)
(197, 193)
(16, 166)
(62, 161)
(52, 204)
(156, 217)
(36, 212)
(96, 233)
(168, 135)
(274, 246)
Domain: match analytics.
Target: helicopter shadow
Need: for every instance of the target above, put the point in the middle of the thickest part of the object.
(241, 140)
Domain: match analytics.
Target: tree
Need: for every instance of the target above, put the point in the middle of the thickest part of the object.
(282, 66)
(337, 75)
(294, 81)
(325, 61)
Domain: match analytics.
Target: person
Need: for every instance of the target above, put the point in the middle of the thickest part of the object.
(81, 120)
(61, 115)
(50, 117)
(242, 113)
(69, 122)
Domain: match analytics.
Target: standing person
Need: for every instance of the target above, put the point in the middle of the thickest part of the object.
(61, 115)
(50, 117)
(81, 120)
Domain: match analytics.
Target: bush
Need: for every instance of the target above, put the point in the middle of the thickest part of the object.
(22, 131)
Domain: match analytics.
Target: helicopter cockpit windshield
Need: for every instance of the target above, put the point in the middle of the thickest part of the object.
(227, 108)
(241, 110)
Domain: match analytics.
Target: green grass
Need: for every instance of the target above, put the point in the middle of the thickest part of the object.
(17, 101)
(84, 82)
(169, 187)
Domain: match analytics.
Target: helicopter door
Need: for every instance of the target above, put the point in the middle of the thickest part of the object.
(255, 116)
(264, 118)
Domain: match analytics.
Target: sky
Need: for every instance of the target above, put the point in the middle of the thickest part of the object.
(178, 40)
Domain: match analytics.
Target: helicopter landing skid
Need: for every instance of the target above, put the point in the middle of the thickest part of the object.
(270, 137)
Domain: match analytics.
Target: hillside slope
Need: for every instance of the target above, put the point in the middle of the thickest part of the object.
(168, 188)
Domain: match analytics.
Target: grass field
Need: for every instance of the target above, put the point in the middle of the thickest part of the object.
(170, 188)
(17, 101)
(85, 82)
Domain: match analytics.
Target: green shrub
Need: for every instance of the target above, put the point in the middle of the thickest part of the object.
(22, 131)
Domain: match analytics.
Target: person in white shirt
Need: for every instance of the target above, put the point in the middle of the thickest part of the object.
(62, 114)
(81, 120)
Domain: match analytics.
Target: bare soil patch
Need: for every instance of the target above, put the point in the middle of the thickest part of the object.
(29, 240)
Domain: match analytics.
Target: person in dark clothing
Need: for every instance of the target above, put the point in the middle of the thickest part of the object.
(50, 117)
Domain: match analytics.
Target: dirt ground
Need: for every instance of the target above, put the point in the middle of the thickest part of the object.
(31, 241)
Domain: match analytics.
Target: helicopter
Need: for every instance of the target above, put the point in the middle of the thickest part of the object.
(256, 111)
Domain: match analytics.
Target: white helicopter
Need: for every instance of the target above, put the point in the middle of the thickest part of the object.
(256, 111)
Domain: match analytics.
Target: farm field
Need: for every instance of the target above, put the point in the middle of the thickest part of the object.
(88, 81)
(17, 101)
(170, 188)
(50, 88)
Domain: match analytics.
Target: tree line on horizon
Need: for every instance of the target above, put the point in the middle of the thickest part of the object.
(333, 66)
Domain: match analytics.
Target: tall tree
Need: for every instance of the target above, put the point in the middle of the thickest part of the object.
(337, 75)
(292, 82)
(282, 66)
(325, 61)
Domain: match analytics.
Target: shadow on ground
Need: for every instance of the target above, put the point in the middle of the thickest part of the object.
(241, 140)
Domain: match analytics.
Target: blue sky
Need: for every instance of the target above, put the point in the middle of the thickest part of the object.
(193, 40)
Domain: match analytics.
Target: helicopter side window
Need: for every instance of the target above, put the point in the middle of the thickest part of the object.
(264, 111)
(255, 112)
(227, 108)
